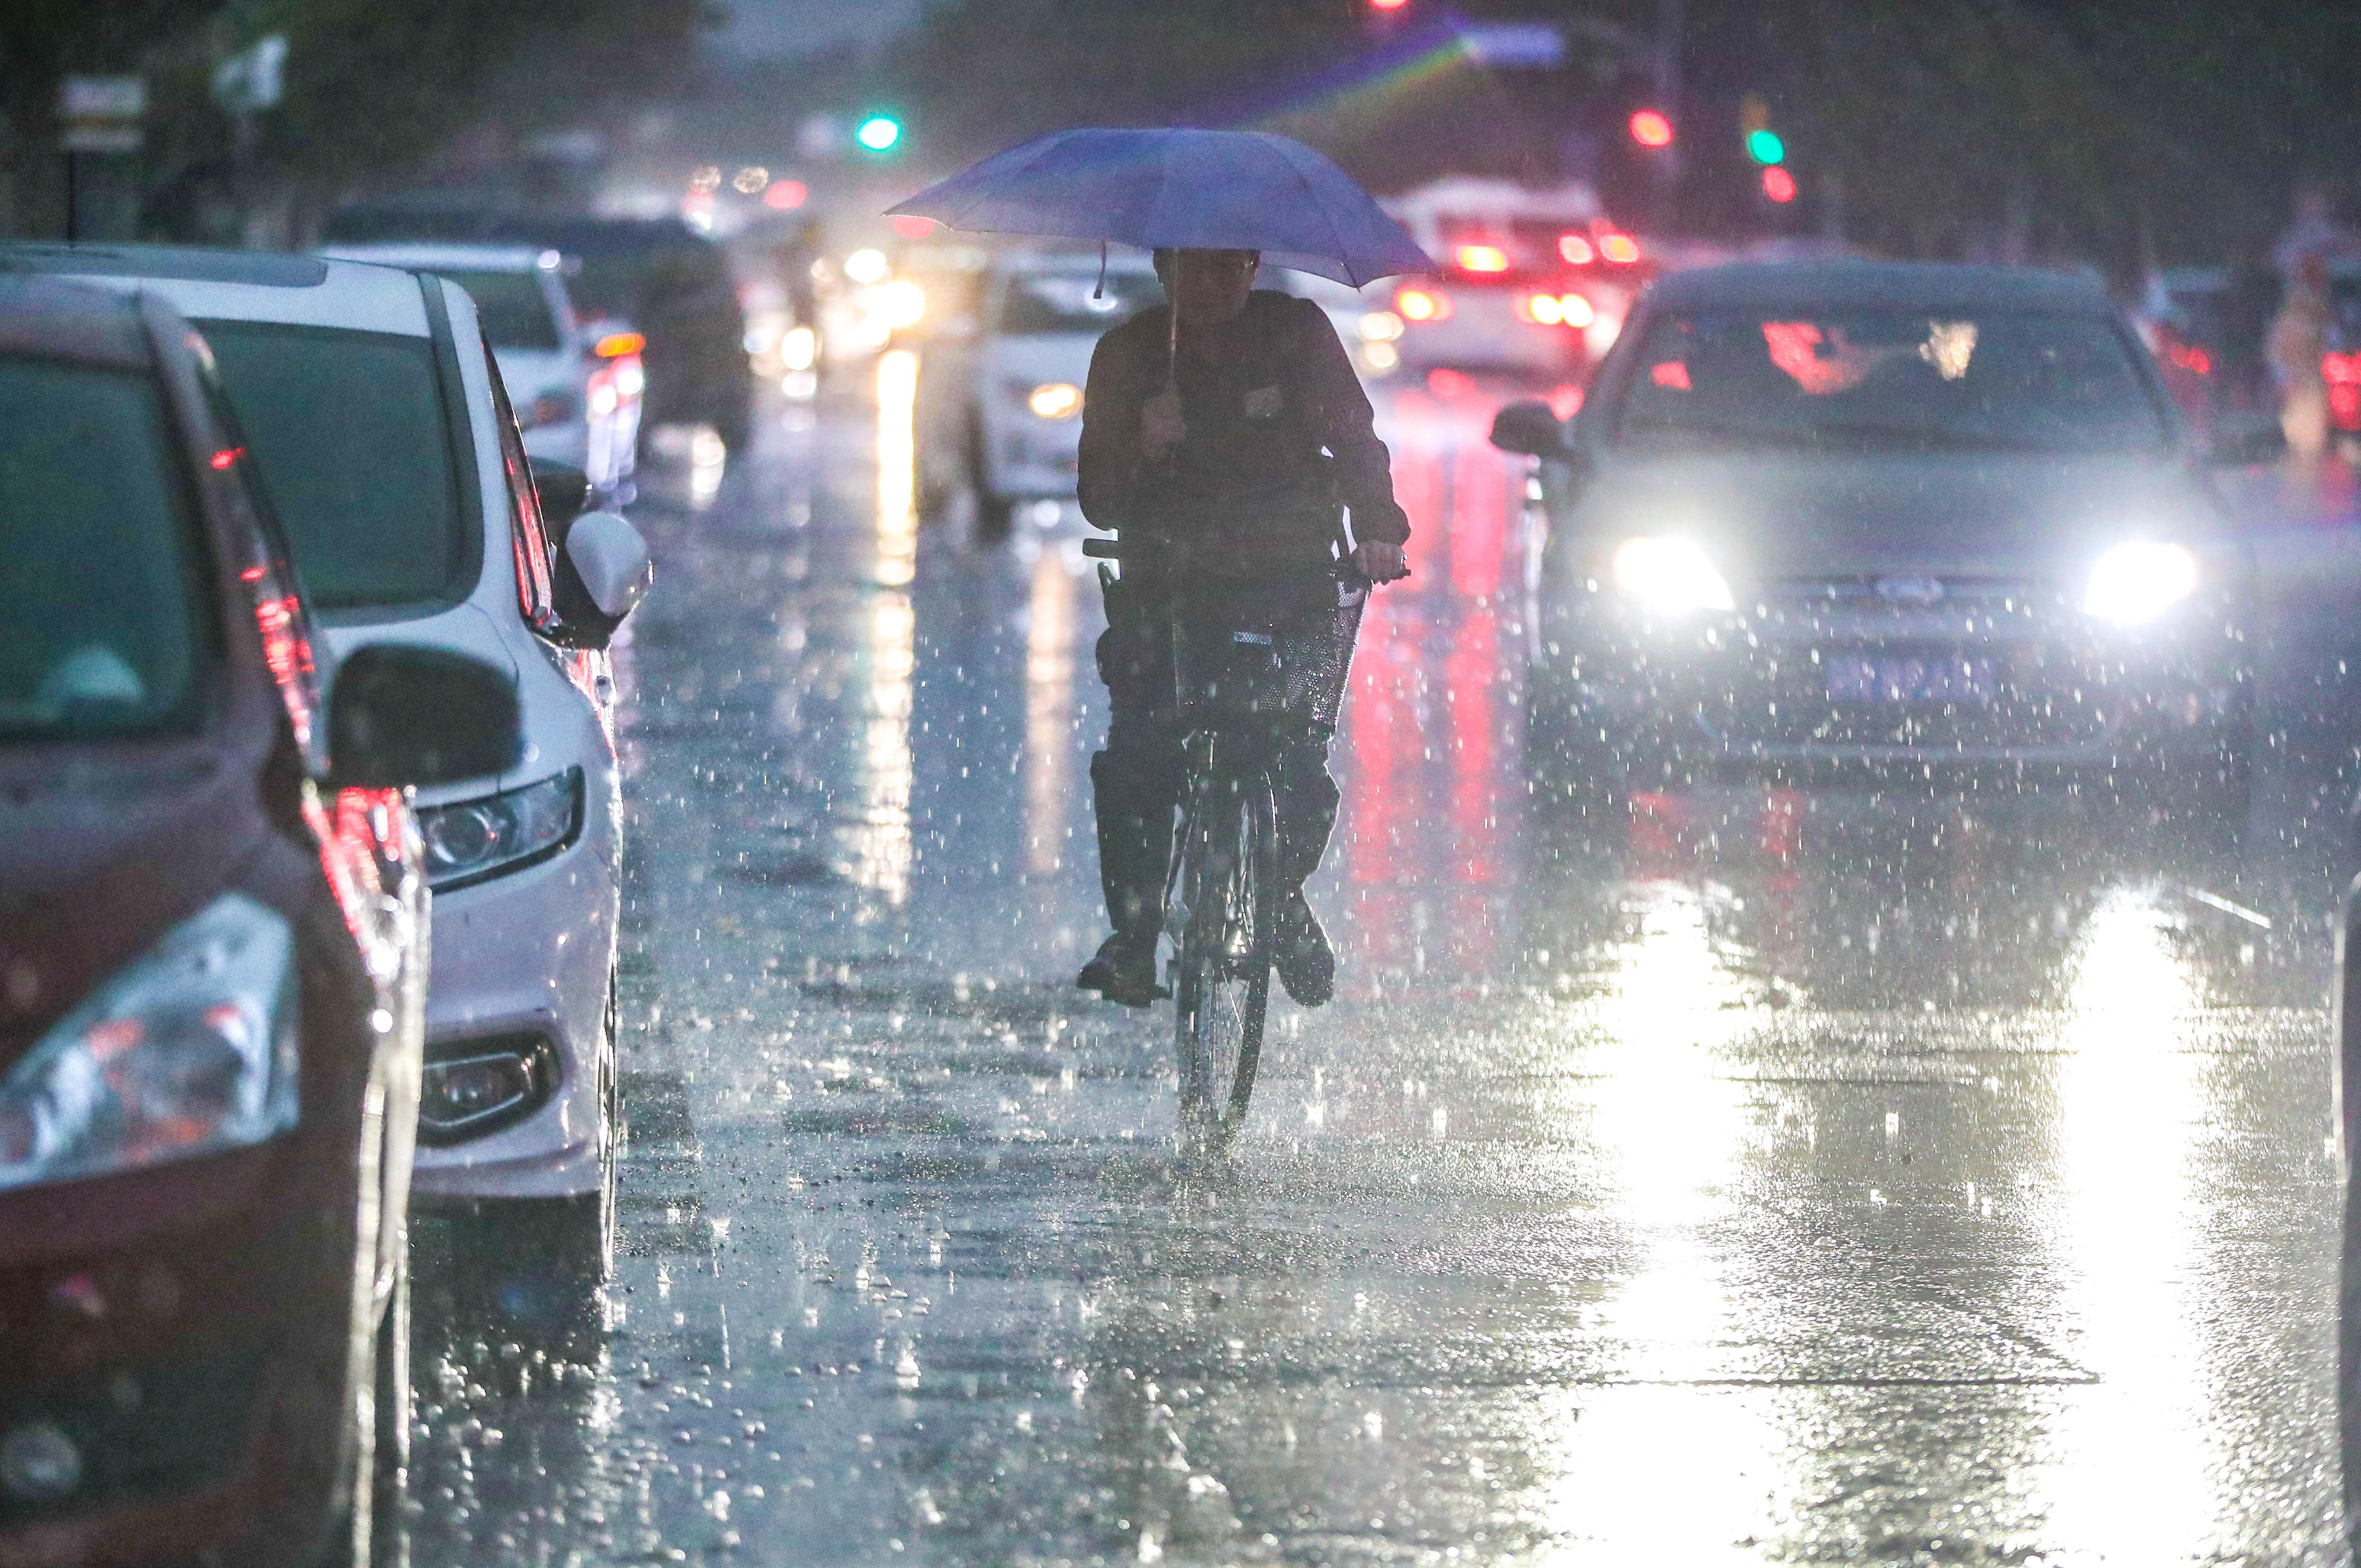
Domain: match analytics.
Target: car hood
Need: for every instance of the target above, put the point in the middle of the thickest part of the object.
(1036, 357)
(1768, 514)
(103, 849)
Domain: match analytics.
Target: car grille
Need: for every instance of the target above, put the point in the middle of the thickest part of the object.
(1939, 664)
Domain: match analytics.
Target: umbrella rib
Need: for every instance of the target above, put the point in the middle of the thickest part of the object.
(1343, 252)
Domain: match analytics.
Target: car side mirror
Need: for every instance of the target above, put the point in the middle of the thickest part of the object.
(399, 714)
(603, 573)
(564, 490)
(2240, 439)
(1529, 427)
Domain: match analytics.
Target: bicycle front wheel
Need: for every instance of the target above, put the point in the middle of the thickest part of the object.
(1230, 874)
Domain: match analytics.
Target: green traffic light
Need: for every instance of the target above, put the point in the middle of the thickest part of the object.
(878, 133)
(1765, 147)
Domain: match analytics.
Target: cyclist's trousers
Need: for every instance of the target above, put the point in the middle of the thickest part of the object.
(1138, 781)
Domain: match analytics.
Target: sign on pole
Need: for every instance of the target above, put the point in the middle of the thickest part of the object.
(102, 114)
(253, 79)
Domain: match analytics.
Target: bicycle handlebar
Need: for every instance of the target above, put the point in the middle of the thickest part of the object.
(1113, 550)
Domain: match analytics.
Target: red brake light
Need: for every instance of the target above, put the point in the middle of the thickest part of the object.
(1671, 373)
(615, 344)
(1483, 258)
(1652, 128)
(2341, 369)
(227, 458)
(1619, 248)
(1576, 249)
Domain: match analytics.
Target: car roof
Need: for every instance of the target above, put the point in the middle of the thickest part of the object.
(1902, 285)
(51, 319)
(239, 285)
(476, 258)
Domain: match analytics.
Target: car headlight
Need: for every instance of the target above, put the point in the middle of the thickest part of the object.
(472, 839)
(1670, 576)
(1055, 400)
(2137, 582)
(189, 1051)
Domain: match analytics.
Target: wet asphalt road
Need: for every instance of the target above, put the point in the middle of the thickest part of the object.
(1792, 1185)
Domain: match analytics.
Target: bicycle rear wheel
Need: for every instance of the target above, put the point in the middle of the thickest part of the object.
(1229, 875)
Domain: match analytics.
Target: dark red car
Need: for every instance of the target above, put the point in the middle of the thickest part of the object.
(213, 954)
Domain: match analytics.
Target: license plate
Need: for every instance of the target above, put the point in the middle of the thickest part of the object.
(1859, 678)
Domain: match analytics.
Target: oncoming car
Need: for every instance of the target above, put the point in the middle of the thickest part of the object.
(213, 945)
(381, 432)
(1018, 399)
(1884, 524)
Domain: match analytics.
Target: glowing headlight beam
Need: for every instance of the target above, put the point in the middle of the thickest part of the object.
(1670, 576)
(2135, 582)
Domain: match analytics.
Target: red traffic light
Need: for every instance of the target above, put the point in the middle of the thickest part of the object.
(1778, 184)
(1650, 129)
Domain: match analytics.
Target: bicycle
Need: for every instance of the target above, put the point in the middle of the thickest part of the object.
(1240, 682)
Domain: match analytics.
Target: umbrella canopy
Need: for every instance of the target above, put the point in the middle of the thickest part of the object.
(1189, 189)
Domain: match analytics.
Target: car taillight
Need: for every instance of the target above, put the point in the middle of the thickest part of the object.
(615, 344)
(1620, 248)
(1556, 309)
(1483, 258)
(1576, 249)
(2343, 374)
(1419, 305)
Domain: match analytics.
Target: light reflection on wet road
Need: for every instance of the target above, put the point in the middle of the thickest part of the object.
(1788, 1188)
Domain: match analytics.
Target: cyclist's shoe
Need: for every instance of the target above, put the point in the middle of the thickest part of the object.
(1300, 951)
(1123, 970)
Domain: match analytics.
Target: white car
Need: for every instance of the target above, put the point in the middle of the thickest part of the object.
(1020, 391)
(577, 386)
(384, 439)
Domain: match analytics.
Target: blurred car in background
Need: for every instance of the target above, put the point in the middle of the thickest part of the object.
(1533, 285)
(212, 931)
(383, 435)
(1886, 525)
(1003, 414)
(672, 286)
(581, 384)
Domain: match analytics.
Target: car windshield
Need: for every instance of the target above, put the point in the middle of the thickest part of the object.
(514, 311)
(1997, 380)
(98, 558)
(1071, 301)
(351, 437)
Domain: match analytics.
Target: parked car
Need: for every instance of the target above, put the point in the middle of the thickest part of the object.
(1896, 525)
(670, 283)
(1003, 412)
(212, 951)
(580, 384)
(381, 429)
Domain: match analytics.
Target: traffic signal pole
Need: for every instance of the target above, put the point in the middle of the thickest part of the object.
(1672, 16)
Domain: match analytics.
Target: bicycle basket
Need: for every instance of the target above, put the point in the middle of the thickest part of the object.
(1290, 669)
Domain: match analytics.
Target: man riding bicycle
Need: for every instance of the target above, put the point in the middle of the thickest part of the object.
(1227, 446)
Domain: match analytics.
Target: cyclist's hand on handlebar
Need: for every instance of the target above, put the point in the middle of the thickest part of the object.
(1160, 426)
(1380, 562)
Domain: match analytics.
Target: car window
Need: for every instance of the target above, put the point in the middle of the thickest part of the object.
(1889, 378)
(528, 534)
(1070, 301)
(100, 561)
(352, 438)
(513, 310)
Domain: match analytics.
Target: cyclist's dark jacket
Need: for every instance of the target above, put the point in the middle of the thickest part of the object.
(1280, 433)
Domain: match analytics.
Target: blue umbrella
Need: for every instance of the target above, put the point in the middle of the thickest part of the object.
(1189, 189)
